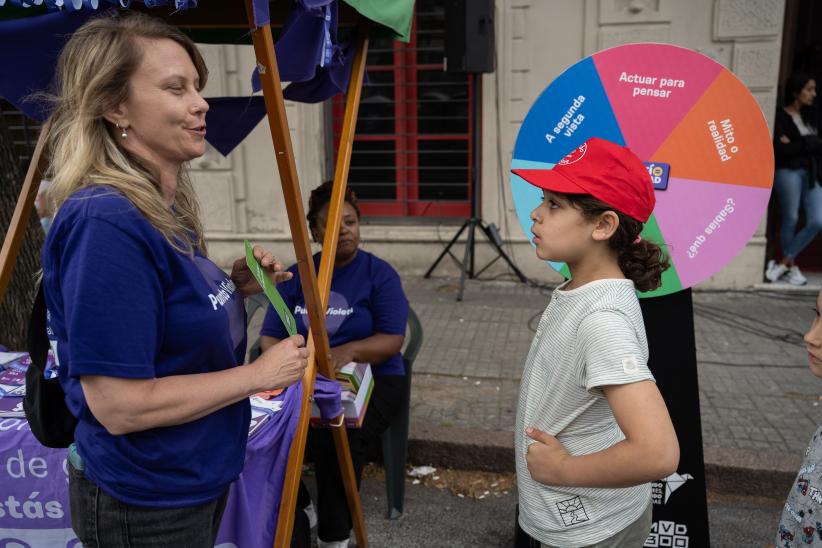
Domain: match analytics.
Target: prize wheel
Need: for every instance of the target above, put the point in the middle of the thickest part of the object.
(696, 126)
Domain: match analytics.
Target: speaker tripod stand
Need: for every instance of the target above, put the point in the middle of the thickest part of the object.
(467, 264)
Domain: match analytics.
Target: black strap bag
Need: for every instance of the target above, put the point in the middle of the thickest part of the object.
(50, 420)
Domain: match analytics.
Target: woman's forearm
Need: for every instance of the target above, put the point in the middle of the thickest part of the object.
(375, 349)
(131, 405)
(124, 406)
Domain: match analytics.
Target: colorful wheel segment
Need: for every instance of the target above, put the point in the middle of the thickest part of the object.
(696, 126)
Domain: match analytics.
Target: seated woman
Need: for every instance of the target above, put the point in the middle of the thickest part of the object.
(366, 317)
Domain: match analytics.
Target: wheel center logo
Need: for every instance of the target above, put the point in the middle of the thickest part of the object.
(575, 155)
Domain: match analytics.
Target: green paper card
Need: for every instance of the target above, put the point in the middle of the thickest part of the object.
(270, 290)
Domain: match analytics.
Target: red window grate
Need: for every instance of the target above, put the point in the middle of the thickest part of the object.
(413, 149)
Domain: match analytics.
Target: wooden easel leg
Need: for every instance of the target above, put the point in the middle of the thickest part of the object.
(275, 106)
(22, 211)
(335, 207)
(332, 232)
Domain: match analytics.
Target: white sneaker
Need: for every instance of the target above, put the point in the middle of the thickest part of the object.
(775, 271)
(332, 544)
(312, 515)
(794, 276)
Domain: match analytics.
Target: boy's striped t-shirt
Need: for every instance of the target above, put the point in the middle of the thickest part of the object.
(588, 337)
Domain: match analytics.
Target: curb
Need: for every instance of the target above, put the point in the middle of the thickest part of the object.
(461, 448)
(727, 471)
(809, 289)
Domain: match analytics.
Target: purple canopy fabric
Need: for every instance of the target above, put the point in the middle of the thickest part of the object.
(328, 397)
(262, 16)
(231, 119)
(308, 55)
(28, 54)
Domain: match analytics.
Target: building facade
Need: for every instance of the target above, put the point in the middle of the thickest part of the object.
(432, 143)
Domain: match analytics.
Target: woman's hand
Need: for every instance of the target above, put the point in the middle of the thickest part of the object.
(246, 282)
(281, 365)
(341, 356)
(546, 457)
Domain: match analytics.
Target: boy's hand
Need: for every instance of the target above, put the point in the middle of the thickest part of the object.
(547, 458)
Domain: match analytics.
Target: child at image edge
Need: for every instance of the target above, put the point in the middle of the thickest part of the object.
(592, 428)
(801, 521)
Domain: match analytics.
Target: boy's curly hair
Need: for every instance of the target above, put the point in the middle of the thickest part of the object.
(640, 261)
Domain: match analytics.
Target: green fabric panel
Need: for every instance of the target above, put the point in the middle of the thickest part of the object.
(670, 278)
(394, 14)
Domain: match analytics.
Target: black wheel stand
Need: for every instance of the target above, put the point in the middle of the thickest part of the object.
(467, 263)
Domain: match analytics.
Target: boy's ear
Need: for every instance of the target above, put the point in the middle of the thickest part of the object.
(605, 226)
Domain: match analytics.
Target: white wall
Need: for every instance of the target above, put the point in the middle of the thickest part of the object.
(240, 195)
(536, 41)
(539, 39)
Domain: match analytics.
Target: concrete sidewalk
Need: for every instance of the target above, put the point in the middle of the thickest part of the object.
(759, 403)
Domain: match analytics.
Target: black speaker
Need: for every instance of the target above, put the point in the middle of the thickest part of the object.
(469, 35)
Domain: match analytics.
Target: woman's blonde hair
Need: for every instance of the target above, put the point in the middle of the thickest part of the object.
(92, 78)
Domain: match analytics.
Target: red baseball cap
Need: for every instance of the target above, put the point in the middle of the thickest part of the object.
(607, 171)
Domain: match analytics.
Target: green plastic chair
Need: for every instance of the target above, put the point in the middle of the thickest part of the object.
(395, 438)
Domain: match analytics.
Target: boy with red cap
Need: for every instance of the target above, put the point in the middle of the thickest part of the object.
(592, 428)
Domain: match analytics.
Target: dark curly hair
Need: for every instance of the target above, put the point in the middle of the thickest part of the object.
(640, 261)
(793, 87)
(321, 196)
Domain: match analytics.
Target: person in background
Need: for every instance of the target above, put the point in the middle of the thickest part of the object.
(366, 319)
(149, 334)
(800, 521)
(797, 149)
(41, 205)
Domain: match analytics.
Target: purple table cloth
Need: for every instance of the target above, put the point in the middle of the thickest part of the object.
(34, 507)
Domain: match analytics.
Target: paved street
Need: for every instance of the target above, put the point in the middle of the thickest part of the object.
(759, 406)
(759, 403)
(437, 518)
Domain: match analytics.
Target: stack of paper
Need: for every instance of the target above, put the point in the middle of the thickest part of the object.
(11, 407)
(351, 375)
(258, 418)
(261, 410)
(7, 358)
(12, 383)
(13, 373)
(354, 401)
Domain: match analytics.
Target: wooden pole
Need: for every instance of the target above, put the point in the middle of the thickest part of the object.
(320, 356)
(332, 232)
(352, 105)
(288, 502)
(22, 211)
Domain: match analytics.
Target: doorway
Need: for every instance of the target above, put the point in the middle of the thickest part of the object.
(801, 52)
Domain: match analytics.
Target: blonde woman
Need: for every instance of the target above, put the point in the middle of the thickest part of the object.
(149, 333)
